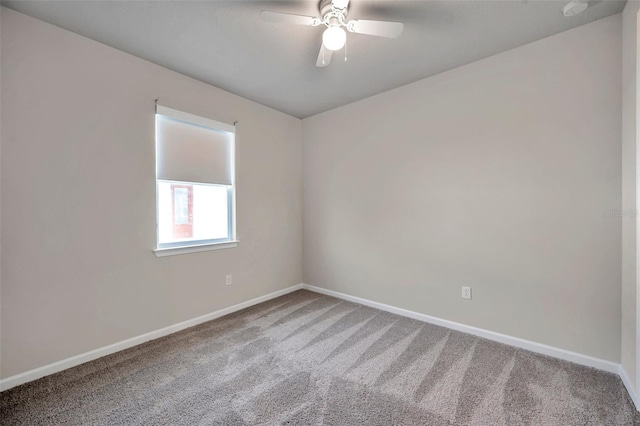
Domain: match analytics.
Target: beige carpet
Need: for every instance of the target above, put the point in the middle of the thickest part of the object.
(309, 359)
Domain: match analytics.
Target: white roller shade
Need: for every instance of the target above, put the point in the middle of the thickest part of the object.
(192, 148)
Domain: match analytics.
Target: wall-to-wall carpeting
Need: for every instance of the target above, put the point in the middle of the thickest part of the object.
(308, 359)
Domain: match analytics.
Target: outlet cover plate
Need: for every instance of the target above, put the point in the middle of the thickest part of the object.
(466, 293)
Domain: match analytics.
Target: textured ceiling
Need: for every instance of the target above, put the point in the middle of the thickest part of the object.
(226, 44)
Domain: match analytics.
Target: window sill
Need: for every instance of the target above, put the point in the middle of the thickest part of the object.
(173, 251)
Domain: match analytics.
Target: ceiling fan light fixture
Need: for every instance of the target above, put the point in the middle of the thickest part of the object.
(334, 38)
(334, 17)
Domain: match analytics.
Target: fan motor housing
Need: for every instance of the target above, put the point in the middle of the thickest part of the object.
(325, 7)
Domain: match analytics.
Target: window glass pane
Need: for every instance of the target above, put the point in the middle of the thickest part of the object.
(192, 212)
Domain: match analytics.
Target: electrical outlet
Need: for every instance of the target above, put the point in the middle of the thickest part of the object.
(228, 280)
(466, 292)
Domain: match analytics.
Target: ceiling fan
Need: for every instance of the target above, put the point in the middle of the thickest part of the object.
(333, 15)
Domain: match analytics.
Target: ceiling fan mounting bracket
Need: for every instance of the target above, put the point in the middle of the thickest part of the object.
(328, 10)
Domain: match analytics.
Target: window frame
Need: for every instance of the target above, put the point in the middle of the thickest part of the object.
(191, 246)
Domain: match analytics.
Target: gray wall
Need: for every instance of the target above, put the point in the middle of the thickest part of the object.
(78, 198)
(496, 175)
(629, 137)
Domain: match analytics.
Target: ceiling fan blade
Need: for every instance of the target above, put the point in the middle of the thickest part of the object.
(324, 57)
(376, 28)
(288, 18)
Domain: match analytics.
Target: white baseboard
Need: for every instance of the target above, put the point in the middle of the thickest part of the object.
(540, 348)
(46, 370)
(627, 384)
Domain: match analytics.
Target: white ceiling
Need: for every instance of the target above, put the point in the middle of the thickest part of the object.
(226, 44)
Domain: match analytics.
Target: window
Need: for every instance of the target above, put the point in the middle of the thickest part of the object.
(195, 162)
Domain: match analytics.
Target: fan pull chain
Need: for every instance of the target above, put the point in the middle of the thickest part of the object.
(345, 50)
(323, 55)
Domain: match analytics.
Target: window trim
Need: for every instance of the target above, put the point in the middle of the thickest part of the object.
(172, 251)
(183, 247)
